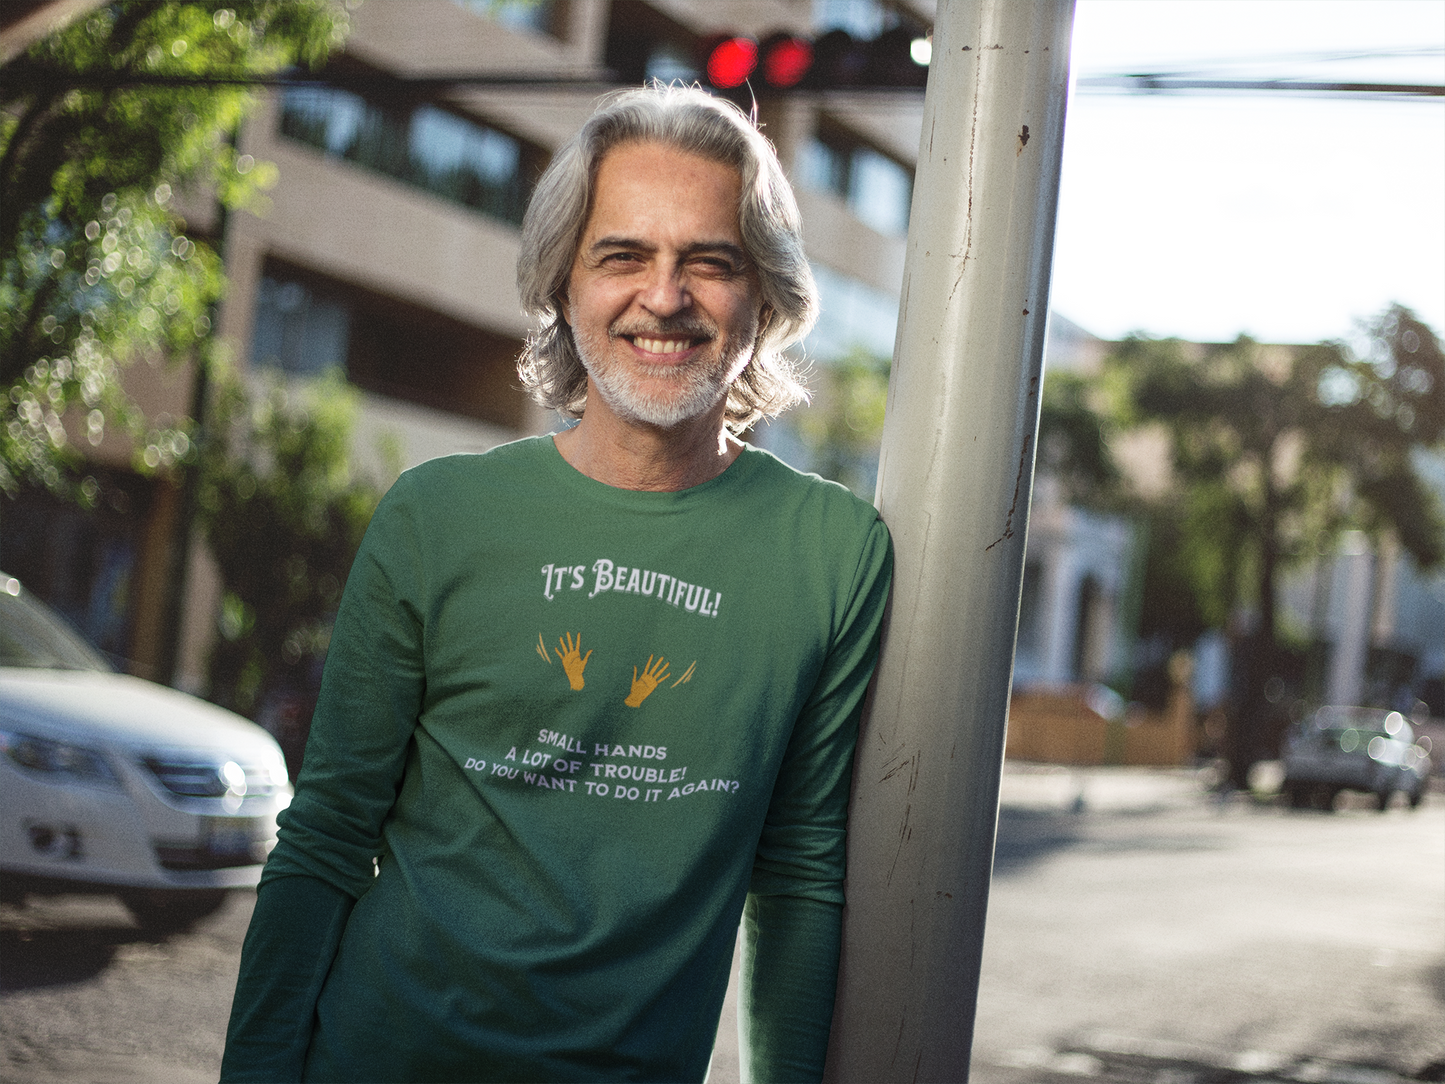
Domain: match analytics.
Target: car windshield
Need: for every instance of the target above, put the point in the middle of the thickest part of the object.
(33, 637)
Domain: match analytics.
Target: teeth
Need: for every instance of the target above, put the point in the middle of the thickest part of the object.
(661, 346)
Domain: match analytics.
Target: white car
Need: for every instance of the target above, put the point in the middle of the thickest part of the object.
(113, 784)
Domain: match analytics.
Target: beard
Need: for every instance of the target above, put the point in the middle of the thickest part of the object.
(661, 395)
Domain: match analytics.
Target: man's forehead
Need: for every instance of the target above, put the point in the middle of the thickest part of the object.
(639, 157)
(647, 180)
(661, 146)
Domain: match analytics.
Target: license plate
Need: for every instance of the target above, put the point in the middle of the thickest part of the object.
(229, 835)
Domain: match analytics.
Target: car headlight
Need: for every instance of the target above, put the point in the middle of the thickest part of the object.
(210, 775)
(60, 761)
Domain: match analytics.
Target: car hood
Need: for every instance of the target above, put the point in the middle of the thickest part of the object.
(118, 708)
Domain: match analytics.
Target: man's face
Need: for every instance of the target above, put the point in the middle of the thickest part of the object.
(663, 302)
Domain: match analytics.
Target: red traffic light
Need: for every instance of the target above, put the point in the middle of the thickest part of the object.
(835, 60)
(786, 59)
(731, 61)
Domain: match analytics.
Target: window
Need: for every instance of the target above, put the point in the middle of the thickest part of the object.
(299, 330)
(89, 563)
(644, 43)
(861, 18)
(823, 166)
(442, 152)
(876, 188)
(306, 324)
(853, 315)
(533, 16)
(670, 63)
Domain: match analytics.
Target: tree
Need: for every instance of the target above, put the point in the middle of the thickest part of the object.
(1075, 430)
(283, 515)
(843, 427)
(96, 267)
(1276, 450)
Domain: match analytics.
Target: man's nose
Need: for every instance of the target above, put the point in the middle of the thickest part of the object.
(666, 291)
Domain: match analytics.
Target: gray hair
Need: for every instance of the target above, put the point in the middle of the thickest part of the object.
(693, 121)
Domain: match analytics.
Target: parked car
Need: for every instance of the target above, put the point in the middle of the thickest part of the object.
(1363, 749)
(113, 784)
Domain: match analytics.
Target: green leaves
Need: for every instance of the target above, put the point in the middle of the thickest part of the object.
(96, 266)
(844, 424)
(1075, 429)
(283, 516)
(1276, 449)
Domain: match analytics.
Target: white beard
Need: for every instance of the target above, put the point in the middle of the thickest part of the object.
(690, 391)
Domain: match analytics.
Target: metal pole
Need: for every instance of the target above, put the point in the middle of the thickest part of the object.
(953, 485)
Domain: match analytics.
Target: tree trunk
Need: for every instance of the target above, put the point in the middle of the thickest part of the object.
(1258, 655)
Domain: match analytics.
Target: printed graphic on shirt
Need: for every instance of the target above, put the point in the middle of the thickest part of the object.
(569, 650)
(615, 771)
(654, 673)
(642, 687)
(609, 576)
(627, 772)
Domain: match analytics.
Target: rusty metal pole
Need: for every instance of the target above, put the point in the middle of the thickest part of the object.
(953, 485)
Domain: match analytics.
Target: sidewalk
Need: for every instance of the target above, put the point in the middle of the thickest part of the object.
(1067, 789)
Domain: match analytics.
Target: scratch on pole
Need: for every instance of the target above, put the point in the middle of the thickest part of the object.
(968, 213)
(1008, 525)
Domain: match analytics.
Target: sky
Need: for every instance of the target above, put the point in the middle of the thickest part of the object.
(1288, 217)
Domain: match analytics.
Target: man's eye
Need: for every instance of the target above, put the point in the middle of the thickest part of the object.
(715, 265)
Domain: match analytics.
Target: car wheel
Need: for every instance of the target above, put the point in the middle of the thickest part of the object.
(173, 910)
(1416, 796)
(1382, 799)
(1298, 794)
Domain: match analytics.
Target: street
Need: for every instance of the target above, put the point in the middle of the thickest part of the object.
(1159, 935)
(1139, 930)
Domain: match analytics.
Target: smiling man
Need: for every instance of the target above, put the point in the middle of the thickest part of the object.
(591, 698)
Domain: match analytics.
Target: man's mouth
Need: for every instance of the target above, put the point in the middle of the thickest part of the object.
(663, 346)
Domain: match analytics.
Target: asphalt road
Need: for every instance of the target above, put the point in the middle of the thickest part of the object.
(1161, 936)
(1138, 931)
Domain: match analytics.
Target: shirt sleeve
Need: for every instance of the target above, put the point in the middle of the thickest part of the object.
(330, 836)
(371, 696)
(793, 917)
(288, 951)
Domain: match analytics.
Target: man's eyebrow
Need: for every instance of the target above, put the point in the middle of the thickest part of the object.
(616, 241)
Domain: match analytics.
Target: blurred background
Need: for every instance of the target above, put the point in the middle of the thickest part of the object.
(257, 258)
(233, 314)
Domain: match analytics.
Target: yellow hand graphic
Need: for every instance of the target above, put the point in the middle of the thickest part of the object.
(642, 686)
(573, 661)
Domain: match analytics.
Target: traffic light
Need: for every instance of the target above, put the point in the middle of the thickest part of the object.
(730, 61)
(835, 61)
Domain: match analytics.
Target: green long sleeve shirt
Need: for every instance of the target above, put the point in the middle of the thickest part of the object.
(565, 731)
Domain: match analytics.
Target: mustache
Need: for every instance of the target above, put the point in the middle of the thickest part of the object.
(689, 325)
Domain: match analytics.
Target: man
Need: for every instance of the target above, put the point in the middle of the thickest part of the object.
(591, 697)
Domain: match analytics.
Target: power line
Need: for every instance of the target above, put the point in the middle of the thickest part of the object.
(1173, 84)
